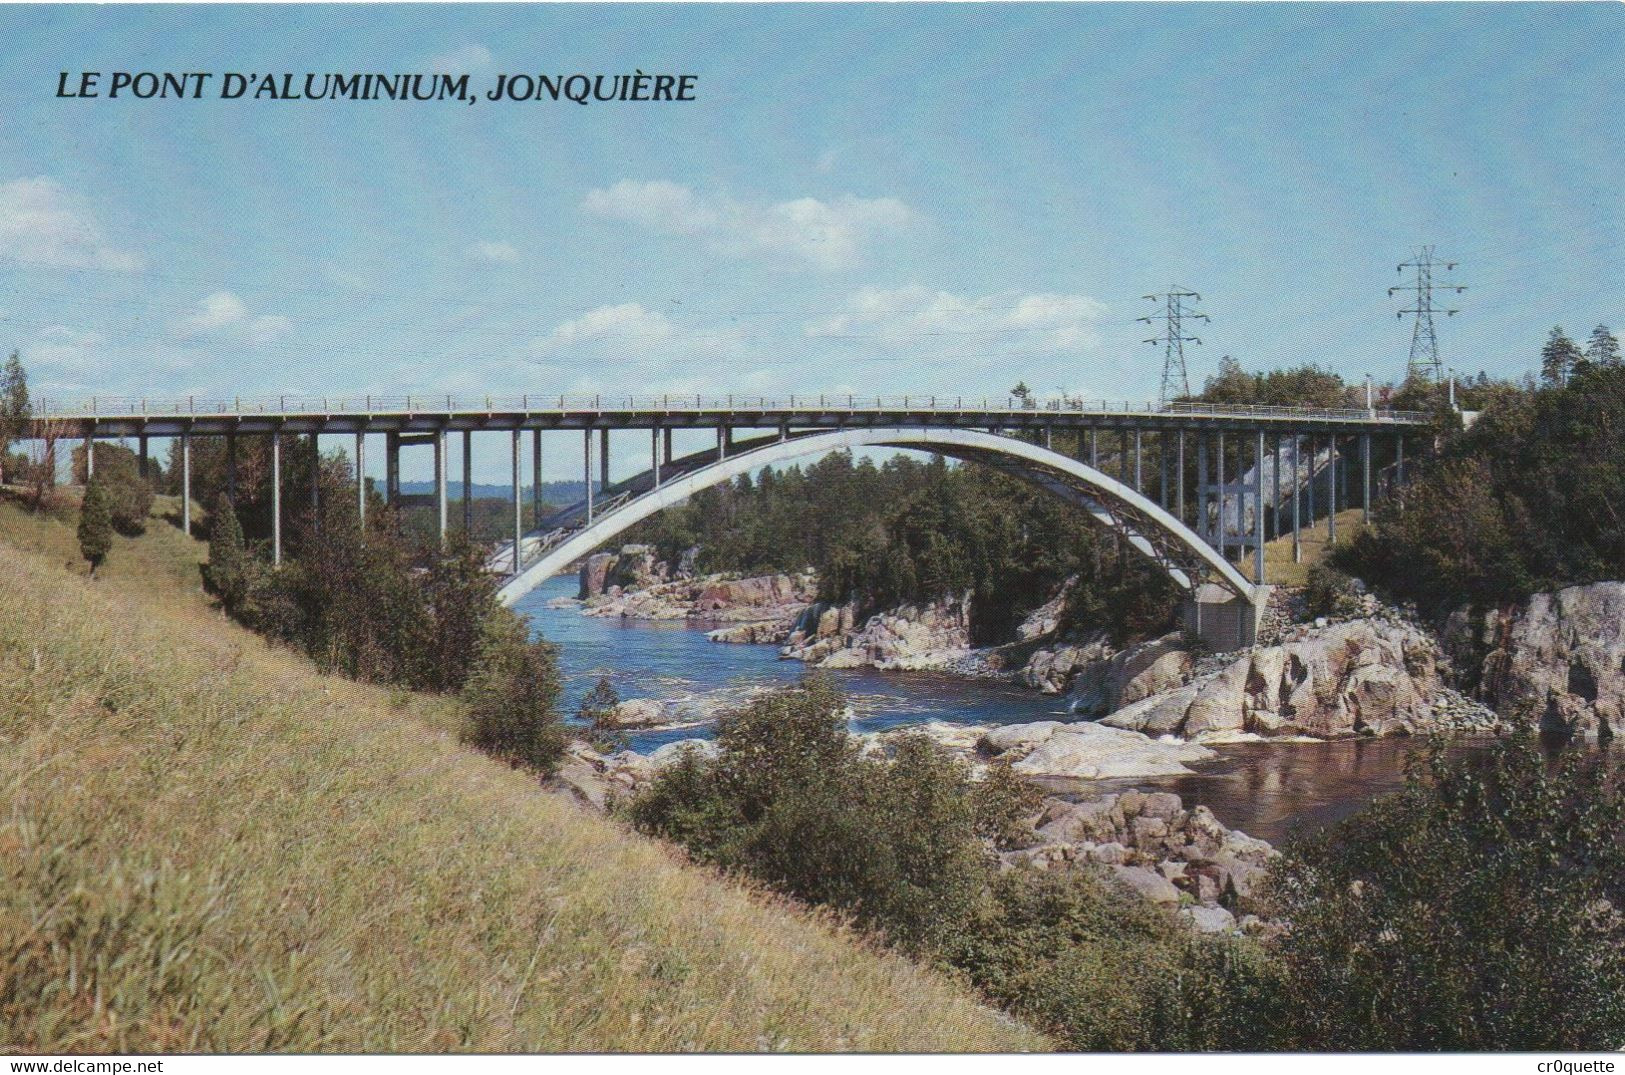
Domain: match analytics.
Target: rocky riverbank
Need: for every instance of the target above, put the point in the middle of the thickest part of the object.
(1183, 859)
(634, 584)
(1558, 658)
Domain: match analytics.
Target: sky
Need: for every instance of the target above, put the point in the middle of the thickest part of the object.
(898, 198)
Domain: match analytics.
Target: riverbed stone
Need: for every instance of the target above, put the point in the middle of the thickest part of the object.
(1147, 883)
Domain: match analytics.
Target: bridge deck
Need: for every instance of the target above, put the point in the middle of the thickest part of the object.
(114, 417)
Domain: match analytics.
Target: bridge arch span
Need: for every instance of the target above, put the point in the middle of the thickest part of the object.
(1156, 533)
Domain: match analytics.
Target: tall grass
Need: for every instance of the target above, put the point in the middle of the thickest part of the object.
(206, 845)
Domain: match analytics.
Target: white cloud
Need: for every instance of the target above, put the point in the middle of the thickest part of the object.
(465, 60)
(498, 253)
(826, 234)
(628, 323)
(41, 222)
(941, 321)
(223, 315)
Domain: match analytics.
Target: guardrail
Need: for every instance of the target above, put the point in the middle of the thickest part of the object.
(121, 406)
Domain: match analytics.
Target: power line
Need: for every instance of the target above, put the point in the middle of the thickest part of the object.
(1176, 381)
(1424, 360)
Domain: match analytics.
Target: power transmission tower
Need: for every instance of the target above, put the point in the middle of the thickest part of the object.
(1424, 342)
(1175, 380)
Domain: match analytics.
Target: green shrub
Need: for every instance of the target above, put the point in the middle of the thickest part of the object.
(1329, 592)
(1479, 908)
(597, 713)
(512, 696)
(95, 526)
(1104, 969)
(226, 573)
(904, 846)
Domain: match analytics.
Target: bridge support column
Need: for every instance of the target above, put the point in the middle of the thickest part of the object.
(315, 483)
(1139, 485)
(276, 499)
(1122, 456)
(361, 481)
(468, 483)
(90, 456)
(231, 467)
(392, 470)
(186, 480)
(1162, 469)
(1179, 464)
(1365, 480)
(1331, 513)
(665, 446)
(1275, 500)
(143, 465)
(440, 483)
(536, 477)
(1258, 509)
(518, 510)
(1309, 482)
(1297, 496)
(722, 443)
(654, 454)
(1223, 535)
(1399, 460)
(1094, 447)
(586, 473)
(1202, 528)
(603, 458)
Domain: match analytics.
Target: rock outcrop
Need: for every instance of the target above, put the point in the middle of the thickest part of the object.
(635, 567)
(1083, 750)
(1150, 843)
(932, 637)
(1362, 677)
(631, 584)
(1560, 658)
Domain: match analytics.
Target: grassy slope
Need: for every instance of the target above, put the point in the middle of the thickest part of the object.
(206, 845)
(1278, 566)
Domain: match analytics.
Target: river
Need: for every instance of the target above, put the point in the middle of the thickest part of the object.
(1265, 789)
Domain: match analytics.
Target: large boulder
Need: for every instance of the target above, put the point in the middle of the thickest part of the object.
(908, 638)
(1560, 657)
(1362, 677)
(1091, 751)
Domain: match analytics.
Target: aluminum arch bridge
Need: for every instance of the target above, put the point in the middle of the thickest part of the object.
(572, 533)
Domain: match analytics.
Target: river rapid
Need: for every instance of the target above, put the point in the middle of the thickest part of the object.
(1265, 789)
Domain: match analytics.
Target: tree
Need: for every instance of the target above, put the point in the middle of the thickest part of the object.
(1477, 909)
(1602, 349)
(95, 526)
(597, 712)
(1022, 393)
(14, 406)
(1558, 358)
(226, 573)
(511, 697)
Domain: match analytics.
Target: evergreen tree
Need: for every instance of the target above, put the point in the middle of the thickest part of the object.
(226, 573)
(1558, 358)
(95, 526)
(1602, 349)
(14, 405)
(597, 712)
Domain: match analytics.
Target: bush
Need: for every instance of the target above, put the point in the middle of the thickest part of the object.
(1479, 908)
(95, 527)
(1329, 592)
(790, 800)
(904, 847)
(1104, 969)
(512, 694)
(226, 573)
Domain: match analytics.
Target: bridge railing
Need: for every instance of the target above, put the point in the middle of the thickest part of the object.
(795, 403)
